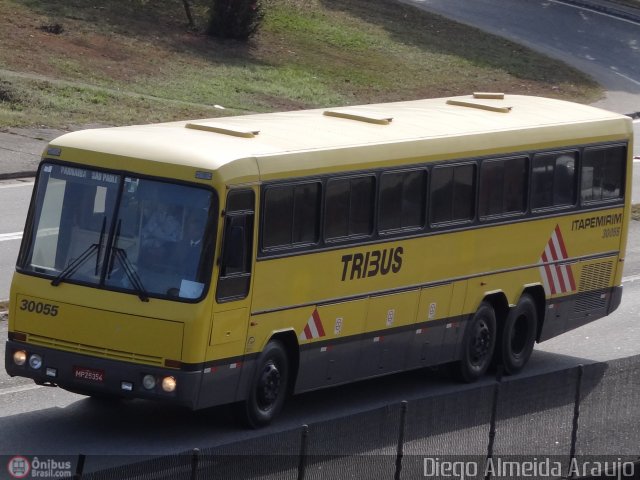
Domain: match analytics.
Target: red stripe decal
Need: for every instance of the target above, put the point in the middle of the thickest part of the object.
(307, 332)
(561, 242)
(549, 276)
(552, 249)
(318, 322)
(560, 276)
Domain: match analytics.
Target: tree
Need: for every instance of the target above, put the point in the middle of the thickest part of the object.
(236, 19)
(187, 11)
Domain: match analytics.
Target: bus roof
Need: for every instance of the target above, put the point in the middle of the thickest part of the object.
(444, 127)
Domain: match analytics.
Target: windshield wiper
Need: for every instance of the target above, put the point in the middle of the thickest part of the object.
(127, 267)
(84, 256)
(104, 225)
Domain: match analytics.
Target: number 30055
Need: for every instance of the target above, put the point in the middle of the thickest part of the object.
(39, 307)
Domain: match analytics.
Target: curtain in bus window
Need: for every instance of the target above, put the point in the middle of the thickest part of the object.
(361, 206)
(553, 180)
(603, 173)
(441, 194)
(278, 221)
(291, 215)
(503, 187)
(336, 213)
(463, 192)
(402, 200)
(306, 213)
(390, 202)
(452, 193)
(349, 207)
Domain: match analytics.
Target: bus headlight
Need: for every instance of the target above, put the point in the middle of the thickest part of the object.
(168, 384)
(35, 361)
(20, 357)
(149, 382)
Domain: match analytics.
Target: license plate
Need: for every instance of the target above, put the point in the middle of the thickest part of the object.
(90, 374)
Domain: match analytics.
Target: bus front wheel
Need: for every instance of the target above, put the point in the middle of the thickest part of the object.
(518, 336)
(478, 344)
(268, 387)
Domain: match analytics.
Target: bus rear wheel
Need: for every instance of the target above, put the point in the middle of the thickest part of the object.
(268, 388)
(518, 336)
(478, 344)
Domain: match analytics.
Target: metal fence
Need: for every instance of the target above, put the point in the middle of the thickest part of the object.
(576, 423)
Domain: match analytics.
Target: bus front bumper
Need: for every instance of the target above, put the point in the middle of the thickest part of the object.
(95, 376)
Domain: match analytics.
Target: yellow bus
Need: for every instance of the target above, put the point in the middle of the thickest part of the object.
(239, 259)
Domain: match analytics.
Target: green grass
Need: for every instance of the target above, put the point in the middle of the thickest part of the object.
(132, 61)
(33, 102)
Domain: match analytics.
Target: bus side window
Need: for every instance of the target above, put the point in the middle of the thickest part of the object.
(553, 180)
(603, 173)
(453, 193)
(291, 215)
(503, 187)
(235, 263)
(402, 202)
(349, 205)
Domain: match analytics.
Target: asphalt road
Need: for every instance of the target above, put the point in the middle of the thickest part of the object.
(14, 204)
(605, 47)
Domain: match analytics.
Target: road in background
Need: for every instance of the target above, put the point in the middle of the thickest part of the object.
(605, 47)
(14, 198)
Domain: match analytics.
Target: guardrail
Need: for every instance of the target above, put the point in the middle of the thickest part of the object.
(576, 423)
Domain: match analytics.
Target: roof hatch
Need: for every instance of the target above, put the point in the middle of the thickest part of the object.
(493, 106)
(224, 129)
(360, 116)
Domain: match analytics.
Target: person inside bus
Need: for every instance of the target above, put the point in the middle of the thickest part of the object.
(160, 234)
(191, 245)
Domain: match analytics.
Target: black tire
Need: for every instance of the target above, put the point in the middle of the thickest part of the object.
(478, 344)
(518, 335)
(268, 387)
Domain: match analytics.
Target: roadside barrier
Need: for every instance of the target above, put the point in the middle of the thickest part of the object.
(580, 422)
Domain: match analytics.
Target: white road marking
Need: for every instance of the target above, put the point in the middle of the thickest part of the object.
(595, 12)
(14, 185)
(22, 388)
(626, 77)
(5, 237)
(631, 278)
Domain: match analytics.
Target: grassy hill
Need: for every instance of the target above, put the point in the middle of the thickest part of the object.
(71, 62)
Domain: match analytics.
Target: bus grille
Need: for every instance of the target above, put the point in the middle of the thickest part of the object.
(587, 302)
(95, 351)
(596, 276)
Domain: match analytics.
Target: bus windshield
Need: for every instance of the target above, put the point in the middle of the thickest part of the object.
(120, 232)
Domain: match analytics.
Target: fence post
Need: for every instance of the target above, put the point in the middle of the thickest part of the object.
(79, 467)
(494, 414)
(576, 416)
(400, 451)
(195, 460)
(302, 458)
